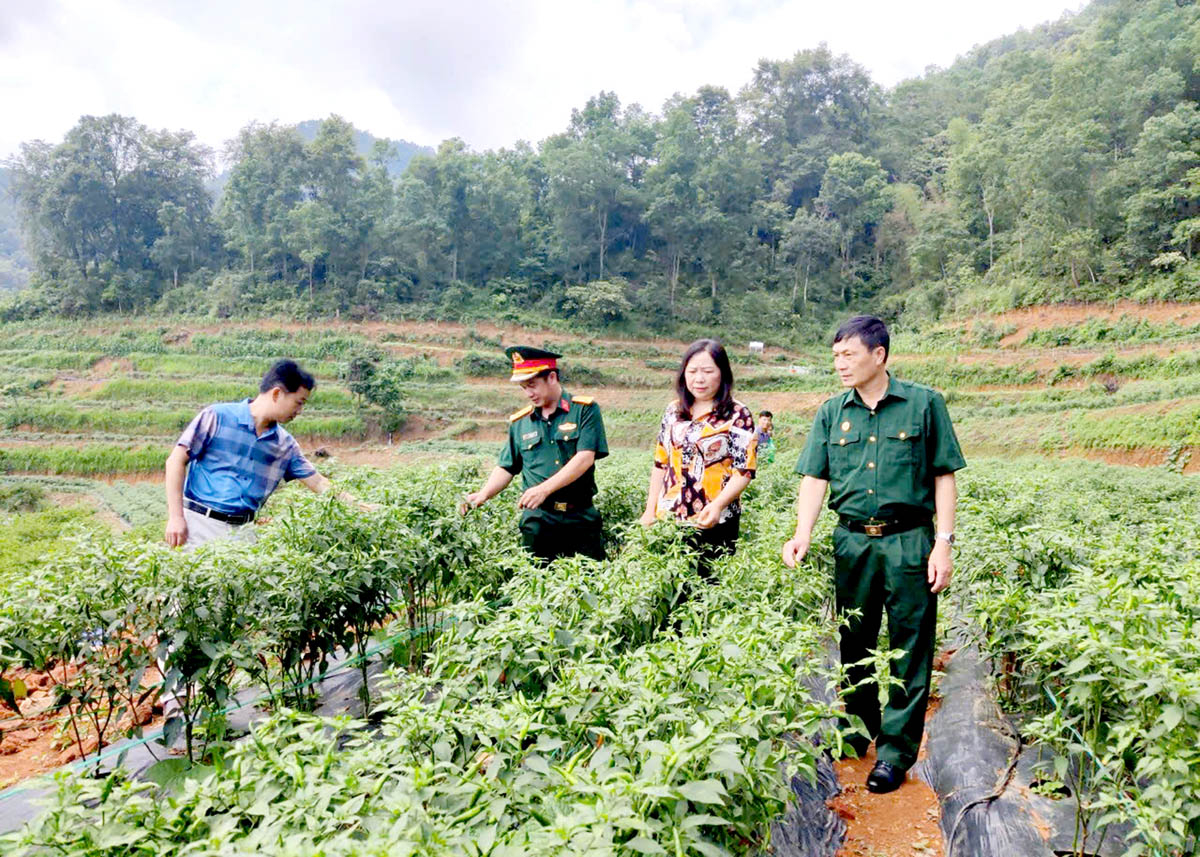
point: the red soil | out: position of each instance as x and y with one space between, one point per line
902 823
40 739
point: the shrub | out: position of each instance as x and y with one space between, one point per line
600 302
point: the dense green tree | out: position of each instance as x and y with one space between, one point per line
1059 162
811 242
854 194
90 207
803 110
1162 176
265 183
595 171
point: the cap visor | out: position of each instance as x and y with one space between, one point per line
524 375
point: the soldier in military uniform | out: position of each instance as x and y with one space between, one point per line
887 451
553 443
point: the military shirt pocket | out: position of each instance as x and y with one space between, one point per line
568 440
529 443
904 444
844 444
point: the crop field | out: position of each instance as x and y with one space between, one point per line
585 708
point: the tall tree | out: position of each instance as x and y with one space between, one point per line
91 204
595 170
269 164
854 194
803 110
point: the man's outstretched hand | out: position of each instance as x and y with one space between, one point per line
794 551
177 532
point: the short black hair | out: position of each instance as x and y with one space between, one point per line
766 414
869 329
723 401
288 375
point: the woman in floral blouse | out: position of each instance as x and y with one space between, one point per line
706 453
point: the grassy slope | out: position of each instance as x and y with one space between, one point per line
83 397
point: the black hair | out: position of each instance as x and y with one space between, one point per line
288 375
723 401
766 414
869 329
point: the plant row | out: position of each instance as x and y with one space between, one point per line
117 622
1084 588
617 707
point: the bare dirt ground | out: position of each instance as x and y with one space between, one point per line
1142 457
41 740
1061 315
104 514
903 823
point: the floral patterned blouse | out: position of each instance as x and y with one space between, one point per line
699 456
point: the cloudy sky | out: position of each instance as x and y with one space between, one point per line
425 70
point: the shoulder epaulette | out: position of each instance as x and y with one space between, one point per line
528 409
583 400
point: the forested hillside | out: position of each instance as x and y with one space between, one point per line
14 264
398 153
1057 164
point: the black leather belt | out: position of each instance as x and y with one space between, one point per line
875 528
566 507
235 520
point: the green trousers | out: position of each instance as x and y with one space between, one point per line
874 575
548 535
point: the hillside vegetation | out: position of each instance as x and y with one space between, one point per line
1060 163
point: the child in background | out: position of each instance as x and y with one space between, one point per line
766 446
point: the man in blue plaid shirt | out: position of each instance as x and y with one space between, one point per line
233 455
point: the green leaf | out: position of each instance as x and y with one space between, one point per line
708 849
1171 715
537 763
703 791
8 694
171 774
725 760
702 820
645 846
114 836
658 791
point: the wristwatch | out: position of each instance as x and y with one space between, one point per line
948 538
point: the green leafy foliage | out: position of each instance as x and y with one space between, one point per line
811 190
1086 600
583 706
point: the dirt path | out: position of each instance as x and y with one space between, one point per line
900 824
903 823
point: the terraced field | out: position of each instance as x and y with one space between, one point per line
88 413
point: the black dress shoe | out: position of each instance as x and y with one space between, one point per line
884 777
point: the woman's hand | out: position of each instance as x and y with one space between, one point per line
709 516
648 518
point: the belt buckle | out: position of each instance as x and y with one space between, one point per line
874 528
560 507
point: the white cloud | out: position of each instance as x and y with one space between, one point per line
425 70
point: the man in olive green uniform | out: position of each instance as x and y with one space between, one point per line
553 443
887 452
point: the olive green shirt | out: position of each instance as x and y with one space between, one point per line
538 448
880 463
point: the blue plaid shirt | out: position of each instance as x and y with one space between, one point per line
232 468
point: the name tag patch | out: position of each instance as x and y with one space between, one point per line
567 427
529 435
